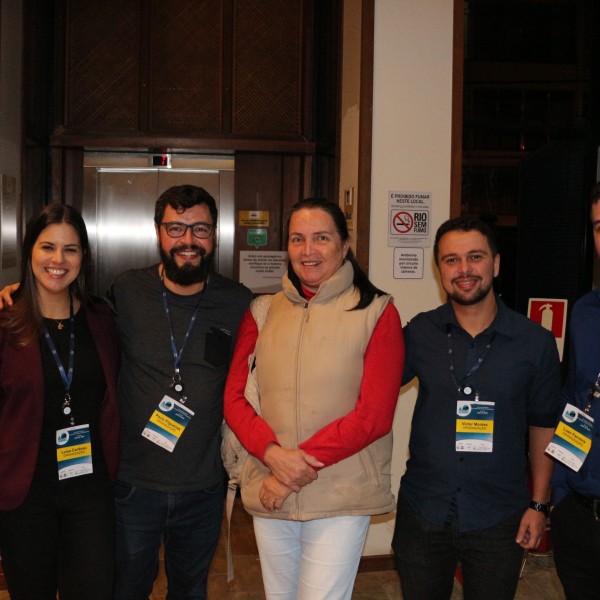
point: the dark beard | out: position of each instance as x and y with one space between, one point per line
483 292
188 274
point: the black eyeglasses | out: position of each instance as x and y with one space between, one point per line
200 230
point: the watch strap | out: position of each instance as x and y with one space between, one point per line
539 507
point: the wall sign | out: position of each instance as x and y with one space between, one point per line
256 237
262 271
551 314
408 263
253 218
409 219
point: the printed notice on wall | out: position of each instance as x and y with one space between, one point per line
409 219
253 218
408 263
262 271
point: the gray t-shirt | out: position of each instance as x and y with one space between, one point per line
147 369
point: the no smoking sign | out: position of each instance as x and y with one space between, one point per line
402 222
409 222
409 215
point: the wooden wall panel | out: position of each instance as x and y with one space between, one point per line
102 71
186 50
150 72
268 67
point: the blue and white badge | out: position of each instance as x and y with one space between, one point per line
167 423
474 426
572 439
74 451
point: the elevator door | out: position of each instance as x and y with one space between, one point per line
120 216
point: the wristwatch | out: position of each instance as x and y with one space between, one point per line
543 508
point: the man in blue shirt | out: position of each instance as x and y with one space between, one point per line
576 494
489 385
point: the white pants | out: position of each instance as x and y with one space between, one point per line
310 560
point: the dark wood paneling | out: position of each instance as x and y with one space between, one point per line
268 182
365 142
231 69
102 67
268 67
457 108
258 183
37 70
186 67
96 139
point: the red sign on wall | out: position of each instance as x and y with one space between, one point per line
550 313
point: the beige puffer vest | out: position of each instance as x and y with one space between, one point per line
309 364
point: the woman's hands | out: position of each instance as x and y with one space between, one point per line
293 468
273 493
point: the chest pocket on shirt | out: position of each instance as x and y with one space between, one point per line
217 347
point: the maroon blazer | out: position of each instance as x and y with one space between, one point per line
22 406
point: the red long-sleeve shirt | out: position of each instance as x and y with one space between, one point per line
370 419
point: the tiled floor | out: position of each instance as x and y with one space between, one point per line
539 581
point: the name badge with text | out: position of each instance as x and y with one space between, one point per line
474 426
572 438
74 451
167 423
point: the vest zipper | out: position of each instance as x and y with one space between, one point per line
304 320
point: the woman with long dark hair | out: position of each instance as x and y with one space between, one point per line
58 419
328 361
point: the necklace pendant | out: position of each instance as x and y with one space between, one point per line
60 325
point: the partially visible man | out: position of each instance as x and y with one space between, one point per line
177 323
575 518
489 385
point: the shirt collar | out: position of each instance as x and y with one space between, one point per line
501 323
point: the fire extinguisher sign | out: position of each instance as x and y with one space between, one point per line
550 313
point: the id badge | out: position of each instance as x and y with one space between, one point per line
474 426
74 451
572 438
167 423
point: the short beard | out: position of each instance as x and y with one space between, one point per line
482 294
187 274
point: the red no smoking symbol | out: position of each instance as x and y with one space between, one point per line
402 222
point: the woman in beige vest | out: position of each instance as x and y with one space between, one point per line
328 362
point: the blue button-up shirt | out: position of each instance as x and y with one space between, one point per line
584 366
520 373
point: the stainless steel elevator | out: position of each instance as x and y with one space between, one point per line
120 190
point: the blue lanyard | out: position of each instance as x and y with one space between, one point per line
593 394
177 381
65 376
476 365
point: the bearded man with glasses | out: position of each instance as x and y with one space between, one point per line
177 322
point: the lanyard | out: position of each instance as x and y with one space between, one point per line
476 365
65 376
593 394
177 383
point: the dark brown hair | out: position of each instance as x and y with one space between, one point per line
182 197
362 283
465 223
23 319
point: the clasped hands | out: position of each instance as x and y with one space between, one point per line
291 470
